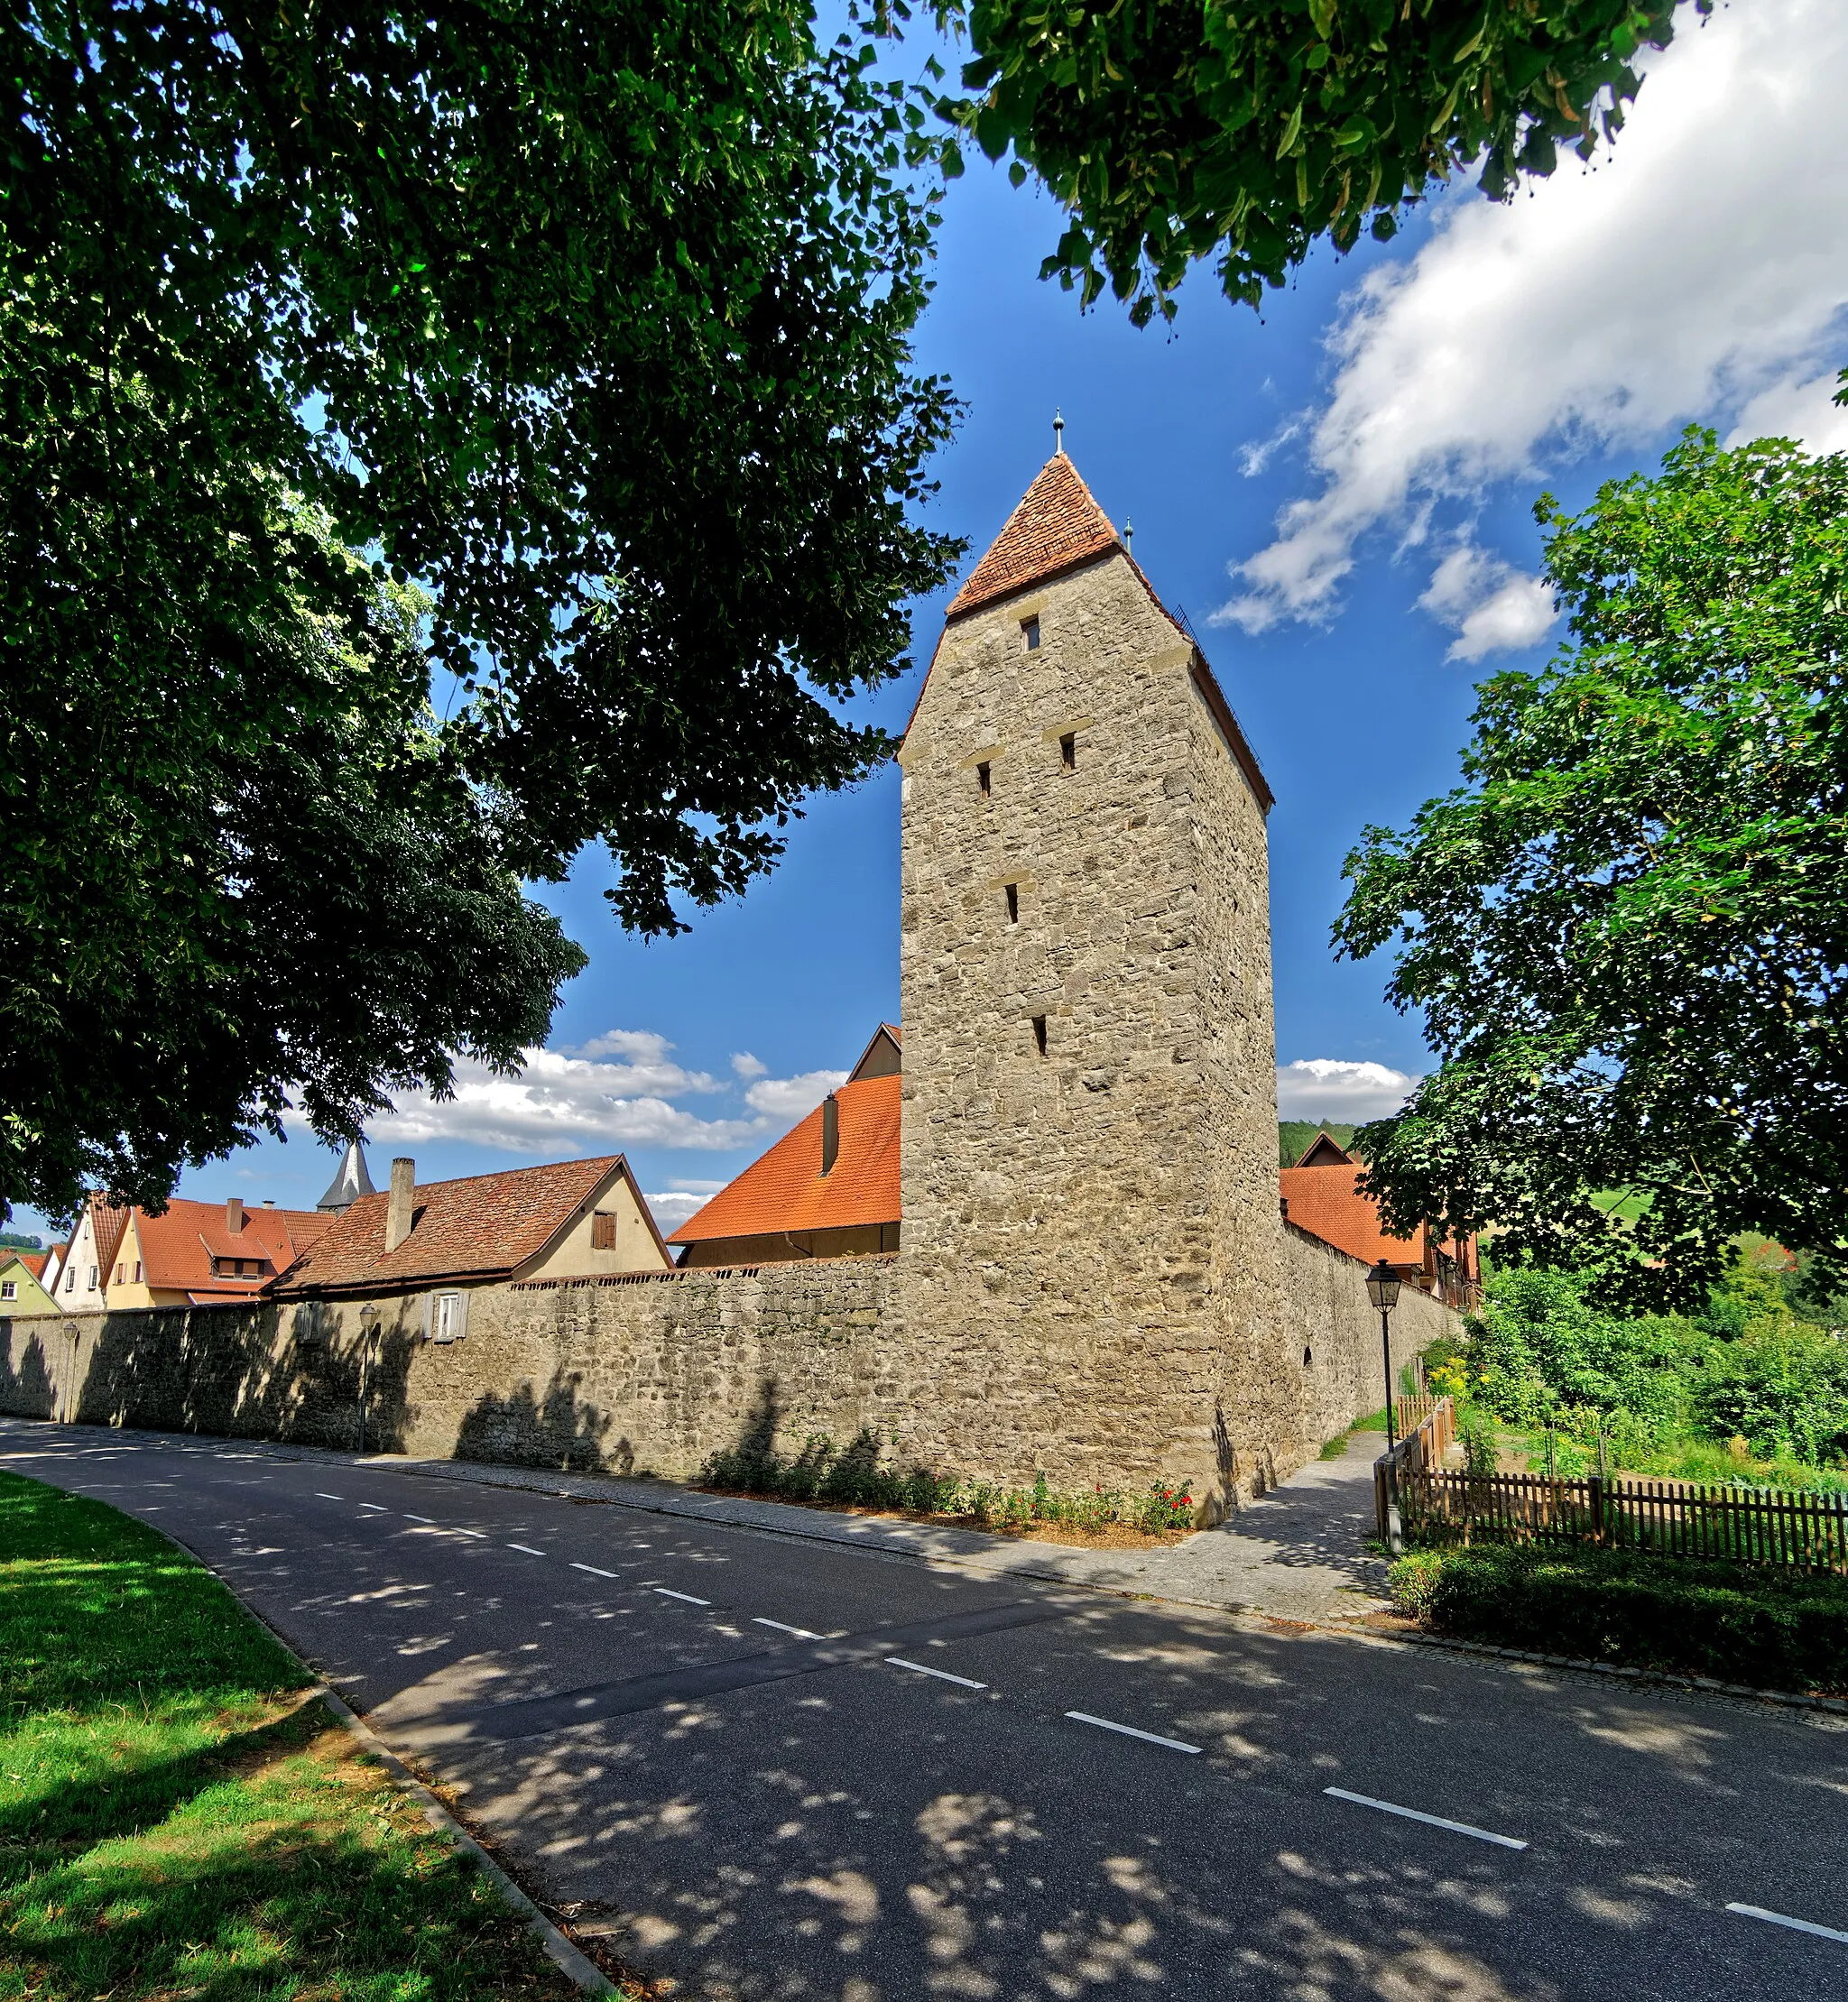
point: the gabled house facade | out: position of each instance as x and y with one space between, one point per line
428 1247
195 1253
90 1259
1321 1194
22 1282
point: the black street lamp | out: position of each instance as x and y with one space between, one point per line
1382 1290
368 1335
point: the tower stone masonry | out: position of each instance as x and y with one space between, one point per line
1090 1204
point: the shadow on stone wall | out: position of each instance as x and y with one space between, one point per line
26 1390
558 1429
234 1374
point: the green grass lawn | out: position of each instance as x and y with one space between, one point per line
175 1824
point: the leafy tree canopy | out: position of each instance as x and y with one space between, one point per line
592 318
1629 930
1245 129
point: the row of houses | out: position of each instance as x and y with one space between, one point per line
829 1188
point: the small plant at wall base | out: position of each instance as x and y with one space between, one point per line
857 1476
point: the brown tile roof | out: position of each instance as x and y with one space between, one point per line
786 1189
1056 526
1325 1202
33 1262
108 1222
481 1227
178 1246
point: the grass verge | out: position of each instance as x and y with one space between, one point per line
1772 1629
174 1823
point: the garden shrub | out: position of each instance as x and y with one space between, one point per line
1774 1630
857 1476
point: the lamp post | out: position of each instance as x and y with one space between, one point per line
1382 1290
368 1335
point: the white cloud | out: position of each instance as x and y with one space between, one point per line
646 1069
1489 604
556 1104
1327 1087
1701 271
748 1066
673 1207
1793 407
788 1098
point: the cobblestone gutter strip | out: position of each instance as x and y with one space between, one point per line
566 1957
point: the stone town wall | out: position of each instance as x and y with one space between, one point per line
651 1373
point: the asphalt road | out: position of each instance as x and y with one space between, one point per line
788 1770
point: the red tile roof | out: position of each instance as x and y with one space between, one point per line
33 1262
786 1189
108 1222
1056 526
1325 1202
481 1227
178 1246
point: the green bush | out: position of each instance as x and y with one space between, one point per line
857 1476
1774 1630
1782 1393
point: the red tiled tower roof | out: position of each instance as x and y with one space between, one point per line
1056 526
785 1190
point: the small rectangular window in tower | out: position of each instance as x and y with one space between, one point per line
1012 893
1039 1034
603 1230
1029 632
982 780
1068 751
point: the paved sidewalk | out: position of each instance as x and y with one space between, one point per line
1299 1553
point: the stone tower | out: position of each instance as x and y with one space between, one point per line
1090 1125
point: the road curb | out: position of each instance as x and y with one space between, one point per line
576 1966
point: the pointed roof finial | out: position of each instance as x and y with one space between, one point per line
1058 432
1129 539
351 1181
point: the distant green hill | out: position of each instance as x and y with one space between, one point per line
16 1241
1294 1135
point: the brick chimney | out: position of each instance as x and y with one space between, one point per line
234 1214
400 1203
831 1133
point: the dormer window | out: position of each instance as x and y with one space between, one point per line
1030 634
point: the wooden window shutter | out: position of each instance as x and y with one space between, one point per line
603 1230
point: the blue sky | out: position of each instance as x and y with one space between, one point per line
1408 403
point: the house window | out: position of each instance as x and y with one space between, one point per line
95 1276
1039 1034
121 1274
983 779
9 1289
448 1317
1068 751
1029 632
71 1280
1012 893
603 1230
137 1271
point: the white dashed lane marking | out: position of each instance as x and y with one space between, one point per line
1795 1925
377 1507
667 1593
409 1517
592 1569
942 1674
1130 1730
481 1535
1431 1821
782 1627
325 1496
526 1549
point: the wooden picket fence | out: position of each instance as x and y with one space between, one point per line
1670 1518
